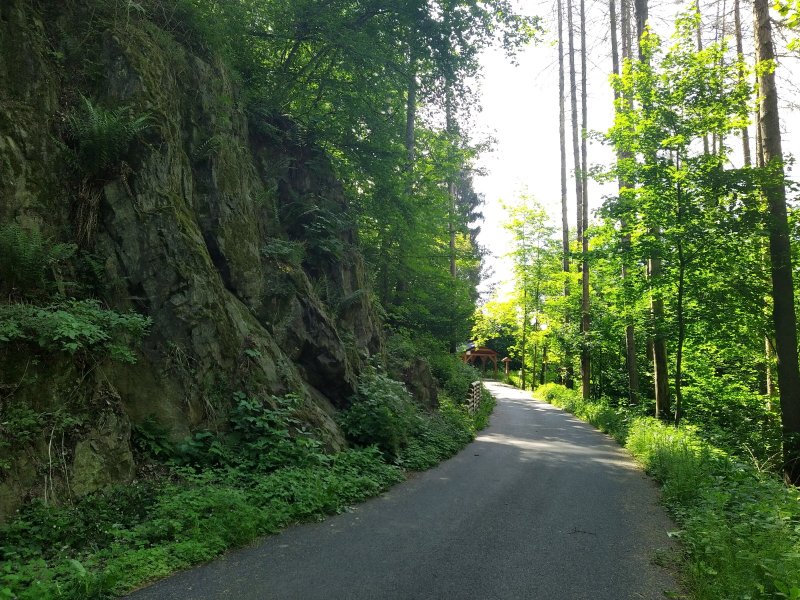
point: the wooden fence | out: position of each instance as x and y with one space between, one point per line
474 398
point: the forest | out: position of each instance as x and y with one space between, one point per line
668 318
240 253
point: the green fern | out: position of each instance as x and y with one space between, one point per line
99 138
27 259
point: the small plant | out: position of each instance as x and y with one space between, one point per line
74 326
284 251
28 260
99 138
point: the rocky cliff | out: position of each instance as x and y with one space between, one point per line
223 225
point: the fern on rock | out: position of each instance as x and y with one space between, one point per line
28 259
99 138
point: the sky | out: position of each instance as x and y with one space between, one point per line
520 111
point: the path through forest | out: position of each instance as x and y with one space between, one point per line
540 506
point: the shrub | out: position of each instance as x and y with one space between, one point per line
381 413
454 376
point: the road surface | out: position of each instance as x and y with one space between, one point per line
539 506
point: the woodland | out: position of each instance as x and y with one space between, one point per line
668 319
239 255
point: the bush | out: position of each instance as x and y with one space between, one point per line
438 436
381 413
454 376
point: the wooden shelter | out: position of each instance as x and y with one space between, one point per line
472 355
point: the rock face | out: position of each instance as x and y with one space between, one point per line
186 233
420 383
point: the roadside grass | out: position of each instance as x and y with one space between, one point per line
739 527
219 492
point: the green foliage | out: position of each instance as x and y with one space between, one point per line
28 260
262 435
99 138
454 375
263 473
481 417
738 526
285 251
111 542
74 326
381 413
438 436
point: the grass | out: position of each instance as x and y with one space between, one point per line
739 527
215 498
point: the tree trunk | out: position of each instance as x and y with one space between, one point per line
769 386
411 111
451 184
783 314
640 10
568 374
524 332
699 33
630 338
586 359
543 372
680 315
737 19
659 343
563 146
573 88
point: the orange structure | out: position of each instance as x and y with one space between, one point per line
484 355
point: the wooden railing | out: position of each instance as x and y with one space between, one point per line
474 397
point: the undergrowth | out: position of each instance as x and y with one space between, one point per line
740 527
223 489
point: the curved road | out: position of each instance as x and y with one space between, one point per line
540 506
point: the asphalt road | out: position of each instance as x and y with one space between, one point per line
540 506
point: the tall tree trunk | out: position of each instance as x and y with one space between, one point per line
659 342
451 184
737 18
576 159
630 337
699 33
576 152
783 314
679 309
586 360
568 371
640 9
524 331
411 112
562 136
625 30
543 372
